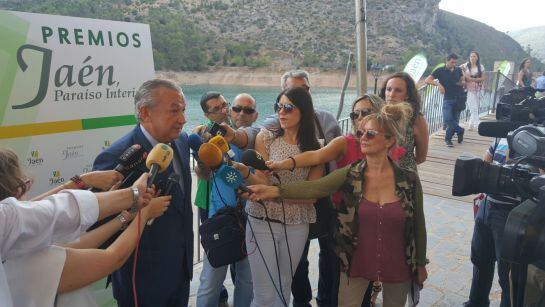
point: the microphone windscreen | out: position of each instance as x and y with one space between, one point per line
220 142
230 176
498 129
195 142
131 158
254 159
210 155
161 155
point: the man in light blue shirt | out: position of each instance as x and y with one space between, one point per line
540 85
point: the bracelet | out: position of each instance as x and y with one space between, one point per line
79 183
135 195
294 164
123 220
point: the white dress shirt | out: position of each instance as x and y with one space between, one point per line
26 227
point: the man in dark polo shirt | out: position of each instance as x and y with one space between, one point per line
450 81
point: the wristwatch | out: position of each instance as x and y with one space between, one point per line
79 183
123 221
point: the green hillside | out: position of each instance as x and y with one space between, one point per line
198 34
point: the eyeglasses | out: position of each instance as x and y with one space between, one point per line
248 111
288 107
369 134
218 109
355 114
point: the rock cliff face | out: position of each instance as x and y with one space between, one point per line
322 32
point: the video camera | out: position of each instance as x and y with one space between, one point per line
521 116
521 105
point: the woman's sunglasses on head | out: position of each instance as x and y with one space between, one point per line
238 109
288 107
355 114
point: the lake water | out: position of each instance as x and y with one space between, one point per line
326 98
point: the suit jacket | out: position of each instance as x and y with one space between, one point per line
165 258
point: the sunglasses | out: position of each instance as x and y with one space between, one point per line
369 134
288 107
355 114
238 109
219 109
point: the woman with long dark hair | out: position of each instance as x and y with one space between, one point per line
524 77
473 73
278 231
381 230
400 87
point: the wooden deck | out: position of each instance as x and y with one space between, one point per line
437 172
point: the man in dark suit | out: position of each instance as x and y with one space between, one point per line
165 258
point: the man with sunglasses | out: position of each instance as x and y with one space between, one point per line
243 112
212 194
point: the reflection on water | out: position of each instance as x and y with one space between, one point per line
327 98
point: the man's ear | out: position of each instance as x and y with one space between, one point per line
144 113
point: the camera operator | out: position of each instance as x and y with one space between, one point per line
487 237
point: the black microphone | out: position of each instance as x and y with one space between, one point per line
254 159
498 129
172 180
130 159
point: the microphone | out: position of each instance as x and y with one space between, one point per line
172 180
210 155
498 129
232 178
195 142
131 158
158 160
254 159
222 144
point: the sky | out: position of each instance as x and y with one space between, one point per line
503 15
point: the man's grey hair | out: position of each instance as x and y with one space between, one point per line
296 73
144 95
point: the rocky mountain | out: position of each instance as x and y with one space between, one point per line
288 33
531 39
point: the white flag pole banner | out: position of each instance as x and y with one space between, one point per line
67 89
416 67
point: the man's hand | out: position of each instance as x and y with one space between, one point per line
441 88
422 275
263 192
103 180
229 132
202 170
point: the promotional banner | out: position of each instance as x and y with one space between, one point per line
416 66
67 89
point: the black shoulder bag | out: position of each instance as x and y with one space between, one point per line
223 236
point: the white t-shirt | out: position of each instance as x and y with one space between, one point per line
27 227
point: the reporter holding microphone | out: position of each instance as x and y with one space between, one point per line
165 261
28 227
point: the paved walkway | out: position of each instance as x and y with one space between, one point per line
449 222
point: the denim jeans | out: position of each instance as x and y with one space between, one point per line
485 252
451 117
211 281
